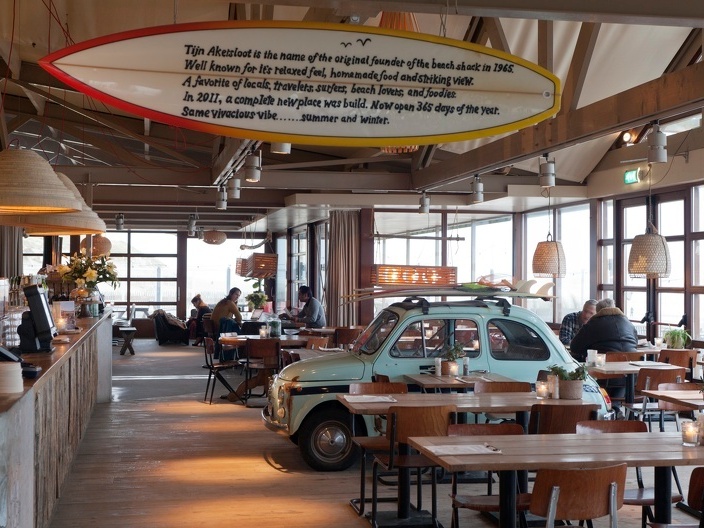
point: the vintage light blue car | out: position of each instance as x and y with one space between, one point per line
405 338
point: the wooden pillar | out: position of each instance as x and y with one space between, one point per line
366 259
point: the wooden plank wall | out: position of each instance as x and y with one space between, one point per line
63 406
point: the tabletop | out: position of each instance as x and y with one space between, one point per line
629 367
487 402
434 381
692 399
287 341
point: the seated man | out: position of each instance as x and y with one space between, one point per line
312 313
572 322
609 330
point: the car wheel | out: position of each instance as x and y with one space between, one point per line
325 440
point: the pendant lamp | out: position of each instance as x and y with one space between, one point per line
549 257
83 222
100 245
30 186
214 237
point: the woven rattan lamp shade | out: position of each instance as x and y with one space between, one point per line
100 245
649 257
549 259
262 265
83 222
214 237
392 275
30 186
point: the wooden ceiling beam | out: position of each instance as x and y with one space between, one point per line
577 73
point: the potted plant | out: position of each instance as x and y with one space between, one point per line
571 381
451 354
257 299
676 337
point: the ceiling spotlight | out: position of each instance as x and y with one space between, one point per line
628 137
119 222
200 233
657 145
280 148
191 225
547 173
221 202
234 186
24 233
424 204
253 167
477 189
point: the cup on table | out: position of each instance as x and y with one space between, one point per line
542 389
690 434
600 360
658 341
591 357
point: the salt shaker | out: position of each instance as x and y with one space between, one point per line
465 366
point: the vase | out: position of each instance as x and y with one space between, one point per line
571 389
88 300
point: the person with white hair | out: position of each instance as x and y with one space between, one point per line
609 330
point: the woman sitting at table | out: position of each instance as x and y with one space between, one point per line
201 309
226 315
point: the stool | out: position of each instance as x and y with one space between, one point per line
127 333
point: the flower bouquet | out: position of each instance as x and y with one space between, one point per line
87 272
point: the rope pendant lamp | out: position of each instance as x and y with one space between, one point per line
30 186
100 245
214 237
83 222
549 257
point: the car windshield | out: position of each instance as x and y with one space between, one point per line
376 333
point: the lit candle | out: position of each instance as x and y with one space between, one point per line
600 360
690 433
542 389
263 332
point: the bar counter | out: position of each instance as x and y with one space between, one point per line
41 428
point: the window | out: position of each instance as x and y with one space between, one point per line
298 264
514 341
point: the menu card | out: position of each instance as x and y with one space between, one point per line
464 449
369 398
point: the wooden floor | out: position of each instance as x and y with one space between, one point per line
158 456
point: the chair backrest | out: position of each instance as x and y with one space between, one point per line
209 326
286 358
266 350
314 342
379 387
611 426
209 348
407 421
381 377
649 378
616 356
681 358
584 493
345 336
559 419
501 386
542 375
695 495
667 406
485 429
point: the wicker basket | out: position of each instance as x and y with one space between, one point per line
571 389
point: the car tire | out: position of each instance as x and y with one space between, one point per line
325 440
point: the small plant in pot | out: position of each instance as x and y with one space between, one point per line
571 381
449 366
676 337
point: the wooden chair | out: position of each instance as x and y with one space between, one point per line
315 342
215 369
344 336
371 444
673 407
559 419
481 387
651 378
262 359
584 494
404 422
488 502
641 496
381 377
681 358
695 500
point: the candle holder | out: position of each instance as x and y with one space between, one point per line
542 389
690 434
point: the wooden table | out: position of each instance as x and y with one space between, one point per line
461 383
533 452
287 341
516 402
630 370
693 399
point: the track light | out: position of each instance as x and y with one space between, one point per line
657 146
253 167
547 173
221 202
280 148
191 225
477 189
424 204
234 186
200 233
119 222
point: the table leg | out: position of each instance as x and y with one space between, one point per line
507 499
404 486
630 388
663 494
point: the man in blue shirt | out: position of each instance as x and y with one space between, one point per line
312 314
572 322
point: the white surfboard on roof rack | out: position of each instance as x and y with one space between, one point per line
468 289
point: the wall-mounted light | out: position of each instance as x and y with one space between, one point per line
547 173
221 202
200 233
253 167
628 137
424 204
234 187
657 145
477 190
280 148
119 222
191 225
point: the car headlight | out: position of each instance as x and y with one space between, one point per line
281 413
280 396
